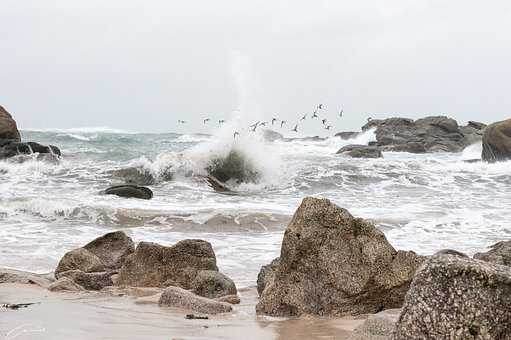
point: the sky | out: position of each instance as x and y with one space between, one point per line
143 65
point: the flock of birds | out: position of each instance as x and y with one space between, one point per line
252 128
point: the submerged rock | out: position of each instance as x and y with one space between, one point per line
332 264
497 142
8 127
213 284
361 151
129 191
233 167
112 248
430 134
80 259
455 297
500 253
180 298
154 265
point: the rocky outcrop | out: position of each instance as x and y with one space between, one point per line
497 142
378 326
79 259
89 281
500 253
135 176
346 135
430 134
455 297
332 264
112 249
360 151
65 284
129 191
18 276
8 127
154 265
266 275
234 167
213 284
180 298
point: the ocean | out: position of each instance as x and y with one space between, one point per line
423 202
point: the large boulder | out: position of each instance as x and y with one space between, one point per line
332 264
234 167
430 134
112 249
179 298
129 191
8 127
154 265
455 297
500 253
80 259
213 284
360 151
497 142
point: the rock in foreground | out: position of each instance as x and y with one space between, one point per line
213 284
455 297
112 249
332 264
129 191
79 259
180 298
154 265
497 142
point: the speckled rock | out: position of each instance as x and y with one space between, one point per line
80 259
180 298
89 281
378 326
333 264
65 284
154 265
455 297
266 275
497 142
112 248
500 253
213 284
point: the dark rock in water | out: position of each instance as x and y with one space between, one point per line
266 275
12 149
8 127
271 136
306 139
129 191
500 253
345 135
153 265
455 297
179 298
361 151
213 284
112 249
217 185
332 264
430 134
135 175
80 259
89 281
233 167
472 160
497 142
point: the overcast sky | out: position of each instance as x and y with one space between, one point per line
142 65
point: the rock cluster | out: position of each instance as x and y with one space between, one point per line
361 151
332 264
497 142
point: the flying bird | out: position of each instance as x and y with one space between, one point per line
296 128
282 123
273 121
221 121
320 106
315 115
328 127
206 120
236 133
181 121
324 121
340 113
304 117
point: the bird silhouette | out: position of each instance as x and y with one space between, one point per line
282 123
340 113
315 115
296 128
328 127
206 120
236 133
304 117
181 121
221 121
273 121
320 106
323 121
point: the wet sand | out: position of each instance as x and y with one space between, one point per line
64 316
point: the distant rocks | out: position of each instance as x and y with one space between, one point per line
346 135
12 146
129 191
154 265
430 134
455 297
361 151
272 136
497 142
332 264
